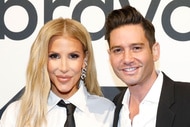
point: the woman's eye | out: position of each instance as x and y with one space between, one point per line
54 56
73 56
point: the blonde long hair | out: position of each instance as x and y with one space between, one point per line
33 107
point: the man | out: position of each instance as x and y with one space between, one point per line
151 98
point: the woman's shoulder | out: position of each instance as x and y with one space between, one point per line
12 109
14 104
10 114
100 101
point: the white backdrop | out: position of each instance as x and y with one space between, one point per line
175 52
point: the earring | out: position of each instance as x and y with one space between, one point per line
83 73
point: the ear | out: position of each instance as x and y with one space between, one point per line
85 60
108 51
156 51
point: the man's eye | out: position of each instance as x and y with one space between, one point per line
73 56
117 50
54 56
137 48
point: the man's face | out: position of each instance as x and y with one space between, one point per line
131 57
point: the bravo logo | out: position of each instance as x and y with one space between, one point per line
106 7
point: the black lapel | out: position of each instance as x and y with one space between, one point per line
118 102
165 116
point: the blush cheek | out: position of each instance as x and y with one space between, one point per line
51 72
51 67
52 77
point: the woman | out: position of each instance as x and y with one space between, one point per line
61 67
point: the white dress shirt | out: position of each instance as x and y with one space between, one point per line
147 108
91 111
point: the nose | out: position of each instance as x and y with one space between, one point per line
63 65
128 57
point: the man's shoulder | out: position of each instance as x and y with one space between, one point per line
183 87
181 84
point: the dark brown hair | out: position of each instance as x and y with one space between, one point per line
125 16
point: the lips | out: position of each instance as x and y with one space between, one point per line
63 79
130 69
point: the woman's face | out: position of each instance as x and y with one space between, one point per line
66 59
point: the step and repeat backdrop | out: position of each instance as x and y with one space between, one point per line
20 21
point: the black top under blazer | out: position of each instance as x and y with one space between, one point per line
173 107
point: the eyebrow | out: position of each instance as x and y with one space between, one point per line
139 43
132 44
115 47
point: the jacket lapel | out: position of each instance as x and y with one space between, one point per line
118 102
165 115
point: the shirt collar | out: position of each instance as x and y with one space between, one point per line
154 93
78 99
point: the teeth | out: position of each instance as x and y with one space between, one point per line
130 69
